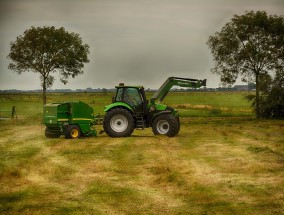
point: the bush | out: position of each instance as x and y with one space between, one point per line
272 105
271 101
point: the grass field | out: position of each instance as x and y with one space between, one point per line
195 104
223 161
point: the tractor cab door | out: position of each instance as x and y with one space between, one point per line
132 97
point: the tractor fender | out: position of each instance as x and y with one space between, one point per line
118 104
160 113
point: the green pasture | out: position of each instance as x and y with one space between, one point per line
223 161
189 104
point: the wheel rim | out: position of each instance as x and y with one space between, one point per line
119 123
163 126
74 133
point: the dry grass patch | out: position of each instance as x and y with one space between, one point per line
214 166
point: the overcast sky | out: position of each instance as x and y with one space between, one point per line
139 42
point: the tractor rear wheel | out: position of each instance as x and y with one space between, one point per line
72 132
165 124
118 122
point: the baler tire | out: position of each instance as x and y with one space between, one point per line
165 124
118 122
72 132
51 134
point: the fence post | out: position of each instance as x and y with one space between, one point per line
14 113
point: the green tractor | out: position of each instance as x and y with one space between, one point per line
130 109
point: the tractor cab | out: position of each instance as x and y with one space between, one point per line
133 96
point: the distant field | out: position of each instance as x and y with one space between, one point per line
194 104
223 161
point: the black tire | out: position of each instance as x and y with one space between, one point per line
165 124
51 134
72 131
118 122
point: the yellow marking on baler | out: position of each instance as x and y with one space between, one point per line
62 120
82 119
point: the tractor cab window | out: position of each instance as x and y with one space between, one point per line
130 96
119 95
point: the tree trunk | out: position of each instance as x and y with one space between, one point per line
257 109
44 90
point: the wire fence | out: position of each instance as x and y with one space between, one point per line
8 114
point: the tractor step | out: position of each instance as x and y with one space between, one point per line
140 123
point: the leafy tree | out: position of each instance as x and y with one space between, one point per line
250 46
47 50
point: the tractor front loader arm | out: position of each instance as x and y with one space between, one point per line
161 93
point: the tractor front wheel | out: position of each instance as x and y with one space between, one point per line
118 122
72 132
165 124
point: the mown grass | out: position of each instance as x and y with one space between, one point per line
216 165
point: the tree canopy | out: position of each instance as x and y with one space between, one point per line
250 46
47 50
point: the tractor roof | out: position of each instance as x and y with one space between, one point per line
123 86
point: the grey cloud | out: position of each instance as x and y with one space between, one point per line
137 42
